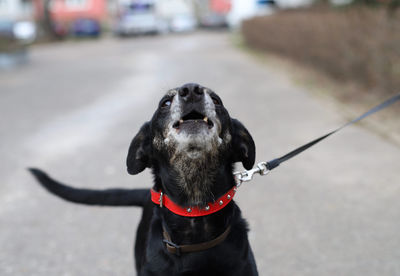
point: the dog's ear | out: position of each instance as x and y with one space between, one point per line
243 145
139 151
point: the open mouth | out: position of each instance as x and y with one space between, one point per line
193 119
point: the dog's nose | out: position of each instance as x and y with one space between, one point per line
191 91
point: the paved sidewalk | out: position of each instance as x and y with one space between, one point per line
333 210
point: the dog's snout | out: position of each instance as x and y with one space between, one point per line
191 91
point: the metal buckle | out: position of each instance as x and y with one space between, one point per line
174 245
161 199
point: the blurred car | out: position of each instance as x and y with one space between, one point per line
183 23
22 31
132 24
60 29
14 38
213 20
16 34
139 18
86 27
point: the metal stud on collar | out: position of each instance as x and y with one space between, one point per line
161 199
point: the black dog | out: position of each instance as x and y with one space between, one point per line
190 225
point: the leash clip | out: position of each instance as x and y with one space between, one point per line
247 175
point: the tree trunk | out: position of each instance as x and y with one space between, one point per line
48 24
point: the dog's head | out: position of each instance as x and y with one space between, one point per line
191 144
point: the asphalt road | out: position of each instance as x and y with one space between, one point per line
334 210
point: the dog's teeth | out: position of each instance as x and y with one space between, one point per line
181 121
205 119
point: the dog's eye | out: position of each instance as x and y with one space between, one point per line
166 103
216 101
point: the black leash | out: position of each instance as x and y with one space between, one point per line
276 162
264 167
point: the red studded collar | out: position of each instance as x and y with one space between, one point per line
163 200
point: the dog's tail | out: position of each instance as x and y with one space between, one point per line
108 197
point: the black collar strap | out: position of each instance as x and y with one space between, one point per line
187 248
